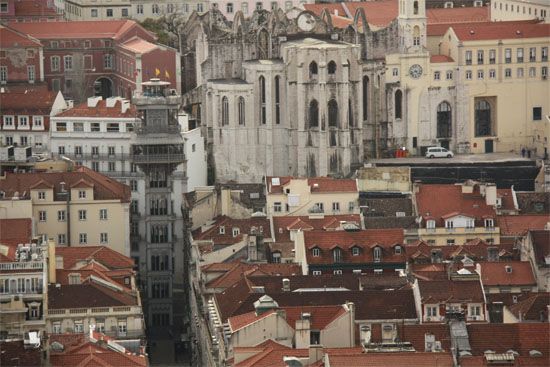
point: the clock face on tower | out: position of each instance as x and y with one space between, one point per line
415 71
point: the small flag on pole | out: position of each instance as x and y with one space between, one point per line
166 74
157 72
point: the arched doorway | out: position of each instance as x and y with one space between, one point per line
103 87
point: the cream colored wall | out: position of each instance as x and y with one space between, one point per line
501 10
270 327
384 179
338 333
460 235
14 209
134 324
308 200
508 317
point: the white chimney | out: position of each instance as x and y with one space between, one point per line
336 12
93 101
111 101
491 194
286 285
125 105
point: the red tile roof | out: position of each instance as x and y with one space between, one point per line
15 100
534 308
240 321
15 353
139 46
10 38
378 13
101 254
321 316
14 232
282 225
392 359
332 8
316 184
100 110
507 198
495 274
458 15
245 226
239 270
476 249
500 31
114 29
435 59
365 240
105 188
449 291
541 246
519 225
79 350
439 29
451 200
87 296
521 337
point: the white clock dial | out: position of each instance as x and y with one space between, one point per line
415 71
306 22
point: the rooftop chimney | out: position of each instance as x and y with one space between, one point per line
124 105
315 353
286 285
111 101
491 194
93 101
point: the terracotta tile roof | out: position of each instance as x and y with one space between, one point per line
521 337
415 334
435 59
10 38
365 240
14 232
449 291
507 198
500 31
100 110
239 270
316 184
14 354
77 29
451 200
86 296
378 13
272 357
392 359
139 46
81 351
34 8
105 188
321 316
245 226
541 246
439 29
476 249
495 274
533 202
519 225
15 101
508 299
534 308
240 321
102 254
458 15
282 225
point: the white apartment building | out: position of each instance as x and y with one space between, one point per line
503 10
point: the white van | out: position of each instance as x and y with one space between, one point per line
438 152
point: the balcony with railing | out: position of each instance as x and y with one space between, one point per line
158 154
22 265
96 311
158 129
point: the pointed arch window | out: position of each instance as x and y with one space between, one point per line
313 113
365 98
350 113
331 68
398 101
444 120
313 70
416 36
225 111
415 8
241 108
277 100
332 113
263 109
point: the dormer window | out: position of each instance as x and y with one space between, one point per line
316 252
489 223
398 250
222 229
430 224
470 223
337 255
449 224
82 194
355 251
41 195
236 231
377 253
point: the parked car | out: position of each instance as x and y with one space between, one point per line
438 152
